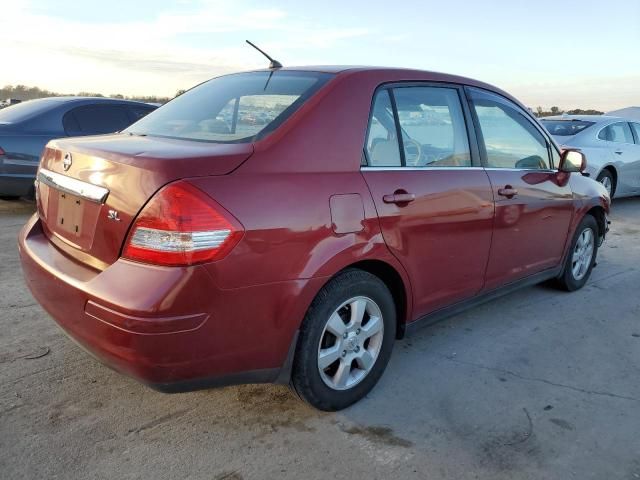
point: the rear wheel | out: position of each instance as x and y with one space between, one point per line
606 179
582 255
345 341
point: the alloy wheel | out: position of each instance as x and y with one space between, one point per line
350 343
583 254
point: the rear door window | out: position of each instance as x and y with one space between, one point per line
139 112
617 133
383 149
433 128
636 130
96 119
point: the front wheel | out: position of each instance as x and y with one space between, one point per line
345 341
582 255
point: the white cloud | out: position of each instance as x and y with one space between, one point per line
151 56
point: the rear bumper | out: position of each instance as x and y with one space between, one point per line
168 327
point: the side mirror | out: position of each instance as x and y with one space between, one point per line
572 161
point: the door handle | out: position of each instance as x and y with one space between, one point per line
508 191
399 198
618 152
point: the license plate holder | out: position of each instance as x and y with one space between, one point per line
69 214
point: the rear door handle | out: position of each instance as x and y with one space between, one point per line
618 152
508 191
399 198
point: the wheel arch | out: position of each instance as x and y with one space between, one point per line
614 173
394 282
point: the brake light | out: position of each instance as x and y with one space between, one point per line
2 152
181 225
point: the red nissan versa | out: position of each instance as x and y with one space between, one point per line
288 225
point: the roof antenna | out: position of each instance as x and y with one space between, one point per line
273 63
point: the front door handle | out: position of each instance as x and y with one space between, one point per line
399 198
508 191
618 152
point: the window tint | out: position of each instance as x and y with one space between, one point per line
138 112
636 129
616 132
510 138
233 108
433 127
96 119
382 141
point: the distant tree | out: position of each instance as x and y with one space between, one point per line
539 111
555 110
179 92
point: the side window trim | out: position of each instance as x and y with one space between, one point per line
474 148
396 121
480 138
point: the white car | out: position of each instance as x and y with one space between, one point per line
611 145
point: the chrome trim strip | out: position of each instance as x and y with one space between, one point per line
85 190
426 168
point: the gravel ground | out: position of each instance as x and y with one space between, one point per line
540 384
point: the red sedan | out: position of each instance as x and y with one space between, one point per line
196 250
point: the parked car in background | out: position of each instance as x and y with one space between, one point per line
190 252
25 129
611 145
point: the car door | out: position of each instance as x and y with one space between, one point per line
623 153
433 198
533 207
634 166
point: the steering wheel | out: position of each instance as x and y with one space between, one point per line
412 151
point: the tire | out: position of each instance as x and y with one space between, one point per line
578 267
352 365
9 198
606 179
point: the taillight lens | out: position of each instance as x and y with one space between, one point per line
1 151
181 225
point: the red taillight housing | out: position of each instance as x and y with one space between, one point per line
181 225
2 152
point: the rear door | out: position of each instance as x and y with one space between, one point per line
622 153
533 206
433 198
634 165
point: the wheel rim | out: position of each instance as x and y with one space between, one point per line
350 343
606 182
583 254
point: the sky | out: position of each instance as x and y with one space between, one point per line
565 53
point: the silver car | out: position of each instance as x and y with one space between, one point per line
611 144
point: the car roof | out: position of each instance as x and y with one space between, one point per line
587 118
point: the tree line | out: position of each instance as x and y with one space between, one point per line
23 92
540 112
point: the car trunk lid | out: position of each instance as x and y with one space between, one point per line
90 189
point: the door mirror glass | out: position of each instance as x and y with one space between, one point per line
572 161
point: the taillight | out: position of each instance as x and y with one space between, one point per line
181 225
2 152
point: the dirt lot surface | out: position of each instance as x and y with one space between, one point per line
539 385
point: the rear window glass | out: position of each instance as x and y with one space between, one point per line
234 108
565 128
25 110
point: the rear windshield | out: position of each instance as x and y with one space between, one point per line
565 128
234 108
25 110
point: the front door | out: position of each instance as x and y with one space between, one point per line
433 198
533 204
